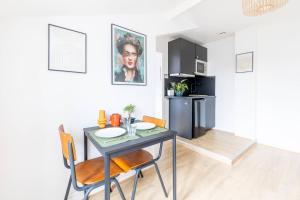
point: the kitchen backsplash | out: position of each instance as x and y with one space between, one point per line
202 85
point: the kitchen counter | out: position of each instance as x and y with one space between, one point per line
190 97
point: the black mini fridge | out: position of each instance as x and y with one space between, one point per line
199 118
192 117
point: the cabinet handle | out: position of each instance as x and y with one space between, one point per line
185 103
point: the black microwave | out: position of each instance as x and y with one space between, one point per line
200 67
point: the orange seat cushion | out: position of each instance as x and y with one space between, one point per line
92 171
133 159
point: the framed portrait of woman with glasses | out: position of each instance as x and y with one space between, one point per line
128 54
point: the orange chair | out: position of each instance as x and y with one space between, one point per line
139 159
89 173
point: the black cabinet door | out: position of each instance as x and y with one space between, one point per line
199 118
209 112
181 57
187 57
180 116
174 63
201 53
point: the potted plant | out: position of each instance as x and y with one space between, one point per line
129 109
180 87
170 91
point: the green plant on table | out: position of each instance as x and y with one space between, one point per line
129 109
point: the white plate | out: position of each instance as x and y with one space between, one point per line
144 125
110 132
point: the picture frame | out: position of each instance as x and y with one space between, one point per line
67 50
128 57
244 62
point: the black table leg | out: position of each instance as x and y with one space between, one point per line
85 147
174 167
107 176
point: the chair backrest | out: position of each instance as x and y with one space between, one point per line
156 121
65 138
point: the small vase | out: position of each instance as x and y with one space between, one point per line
170 92
179 93
102 119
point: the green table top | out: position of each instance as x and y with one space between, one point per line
106 142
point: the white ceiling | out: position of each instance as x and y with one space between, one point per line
85 7
212 17
201 20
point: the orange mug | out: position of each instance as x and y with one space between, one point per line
115 119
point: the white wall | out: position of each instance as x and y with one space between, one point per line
235 92
245 87
265 106
278 82
266 103
222 65
162 47
34 101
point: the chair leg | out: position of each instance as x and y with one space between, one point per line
119 188
141 174
84 192
87 193
135 184
68 189
160 179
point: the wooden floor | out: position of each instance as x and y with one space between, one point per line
262 173
219 145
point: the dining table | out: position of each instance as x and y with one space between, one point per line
130 143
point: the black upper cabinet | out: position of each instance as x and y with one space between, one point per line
181 57
182 54
201 52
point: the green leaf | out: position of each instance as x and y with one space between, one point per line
181 86
129 108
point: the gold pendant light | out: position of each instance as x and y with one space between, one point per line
260 7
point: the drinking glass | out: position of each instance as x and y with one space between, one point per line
127 125
133 130
124 122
